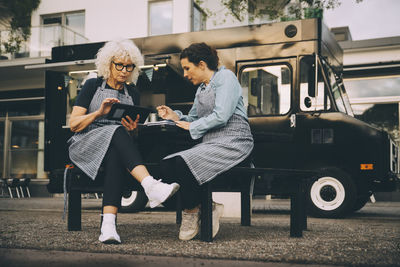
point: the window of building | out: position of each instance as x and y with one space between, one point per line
376 100
23 150
62 29
160 17
199 19
266 89
21 136
373 86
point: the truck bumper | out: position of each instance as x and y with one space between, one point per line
389 184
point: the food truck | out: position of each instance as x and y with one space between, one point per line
298 109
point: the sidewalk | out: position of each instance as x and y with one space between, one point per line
34 229
32 258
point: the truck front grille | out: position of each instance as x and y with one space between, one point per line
394 157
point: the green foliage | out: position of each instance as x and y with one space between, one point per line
274 9
18 15
13 44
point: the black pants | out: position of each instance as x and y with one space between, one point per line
122 157
176 170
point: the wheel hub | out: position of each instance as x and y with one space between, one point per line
327 193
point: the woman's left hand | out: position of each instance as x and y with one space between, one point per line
183 124
129 124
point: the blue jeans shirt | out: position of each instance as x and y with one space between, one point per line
228 101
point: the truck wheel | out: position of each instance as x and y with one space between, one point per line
360 202
133 201
332 194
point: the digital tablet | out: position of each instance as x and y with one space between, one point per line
119 111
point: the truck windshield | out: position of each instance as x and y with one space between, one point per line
338 90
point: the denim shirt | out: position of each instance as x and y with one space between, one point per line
228 101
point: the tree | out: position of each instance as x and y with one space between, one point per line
15 15
273 9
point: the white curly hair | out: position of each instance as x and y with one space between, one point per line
118 49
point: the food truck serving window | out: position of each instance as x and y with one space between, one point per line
266 89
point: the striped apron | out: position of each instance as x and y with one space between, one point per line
88 147
221 148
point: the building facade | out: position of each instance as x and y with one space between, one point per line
372 79
57 23
372 67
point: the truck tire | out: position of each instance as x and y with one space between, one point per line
133 201
331 195
360 202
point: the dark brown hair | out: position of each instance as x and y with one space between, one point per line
201 51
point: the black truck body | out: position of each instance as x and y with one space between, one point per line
297 105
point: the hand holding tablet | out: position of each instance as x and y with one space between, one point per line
119 111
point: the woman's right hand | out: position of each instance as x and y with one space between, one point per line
106 106
167 113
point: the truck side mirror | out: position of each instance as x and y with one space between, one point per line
311 81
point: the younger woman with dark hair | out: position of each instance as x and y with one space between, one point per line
219 117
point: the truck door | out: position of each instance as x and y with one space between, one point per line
268 96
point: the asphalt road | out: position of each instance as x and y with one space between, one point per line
32 233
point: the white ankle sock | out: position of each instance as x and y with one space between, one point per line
147 181
109 218
109 229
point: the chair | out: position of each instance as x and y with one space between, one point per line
12 184
23 184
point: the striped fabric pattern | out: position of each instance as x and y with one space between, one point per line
88 147
220 149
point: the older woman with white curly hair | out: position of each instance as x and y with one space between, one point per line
100 141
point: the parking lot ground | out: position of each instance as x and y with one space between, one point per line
34 229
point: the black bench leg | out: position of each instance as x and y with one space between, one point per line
206 213
74 211
178 208
245 208
296 221
303 204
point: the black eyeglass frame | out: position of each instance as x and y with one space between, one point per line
120 66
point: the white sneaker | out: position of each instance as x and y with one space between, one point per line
217 212
157 191
190 225
109 234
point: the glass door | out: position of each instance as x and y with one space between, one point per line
267 95
25 156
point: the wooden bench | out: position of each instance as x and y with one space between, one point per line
78 183
242 179
238 179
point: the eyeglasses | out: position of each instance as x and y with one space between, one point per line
120 67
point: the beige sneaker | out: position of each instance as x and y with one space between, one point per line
190 225
217 212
